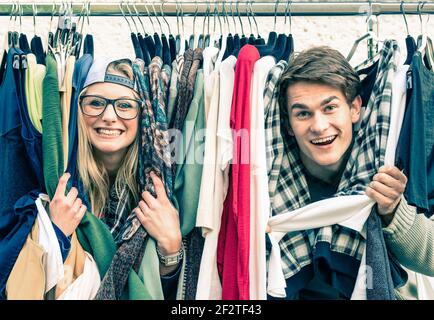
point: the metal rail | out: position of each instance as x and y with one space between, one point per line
260 8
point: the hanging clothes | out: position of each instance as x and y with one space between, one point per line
65 102
234 237
259 198
35 74
177 66
17 179
215 178
192 61
187 185
81 69
415 154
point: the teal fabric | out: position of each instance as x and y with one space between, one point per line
190 161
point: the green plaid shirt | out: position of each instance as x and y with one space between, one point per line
287 183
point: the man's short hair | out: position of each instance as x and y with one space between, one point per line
322 65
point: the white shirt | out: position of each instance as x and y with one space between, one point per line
259 198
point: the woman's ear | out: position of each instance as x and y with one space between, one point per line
356 105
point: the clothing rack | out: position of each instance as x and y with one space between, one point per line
239 8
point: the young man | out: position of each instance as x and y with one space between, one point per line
320 105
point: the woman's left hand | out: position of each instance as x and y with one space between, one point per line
160 219
386 188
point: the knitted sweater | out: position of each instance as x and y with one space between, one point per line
410 239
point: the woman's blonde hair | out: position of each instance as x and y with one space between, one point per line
92 171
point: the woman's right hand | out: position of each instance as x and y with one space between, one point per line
66 211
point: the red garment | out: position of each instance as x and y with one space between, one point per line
234 237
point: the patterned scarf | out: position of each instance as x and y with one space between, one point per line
154 155
291 192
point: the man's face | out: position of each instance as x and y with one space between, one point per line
322 123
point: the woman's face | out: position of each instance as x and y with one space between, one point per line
109 134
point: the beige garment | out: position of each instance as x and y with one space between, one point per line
27 278
35 74
73 265
65 101
86 285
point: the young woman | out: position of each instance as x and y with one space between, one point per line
108 142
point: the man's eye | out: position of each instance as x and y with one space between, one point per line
302 115
329 108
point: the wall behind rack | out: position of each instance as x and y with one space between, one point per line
111 33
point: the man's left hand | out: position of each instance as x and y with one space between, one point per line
386 188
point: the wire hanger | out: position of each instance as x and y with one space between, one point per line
370 36
425 46
259 39
409 40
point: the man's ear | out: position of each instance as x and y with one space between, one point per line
356 105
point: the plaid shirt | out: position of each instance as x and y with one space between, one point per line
291 192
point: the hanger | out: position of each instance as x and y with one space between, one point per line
243 39
157 39
251 38
13 35
275 48
259 40
36 42
229 39
409 40
23 43
167 59
200 41
424 43
289 45
192 39
134 39
272 36
178 35
370 36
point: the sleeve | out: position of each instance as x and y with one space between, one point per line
410 239
170 283
64 242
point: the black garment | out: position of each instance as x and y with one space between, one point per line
415 151
368 77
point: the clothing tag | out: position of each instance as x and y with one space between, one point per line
24 63
16 63
409 80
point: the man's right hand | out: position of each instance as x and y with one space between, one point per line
66 211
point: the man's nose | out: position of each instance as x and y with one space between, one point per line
320 123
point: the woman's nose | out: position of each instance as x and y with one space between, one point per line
109 113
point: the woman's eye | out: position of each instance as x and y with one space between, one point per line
124 105
96 103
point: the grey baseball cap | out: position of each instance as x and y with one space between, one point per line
98 73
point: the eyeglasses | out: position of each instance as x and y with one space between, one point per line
94 106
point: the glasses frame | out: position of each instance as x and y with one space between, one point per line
108 102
